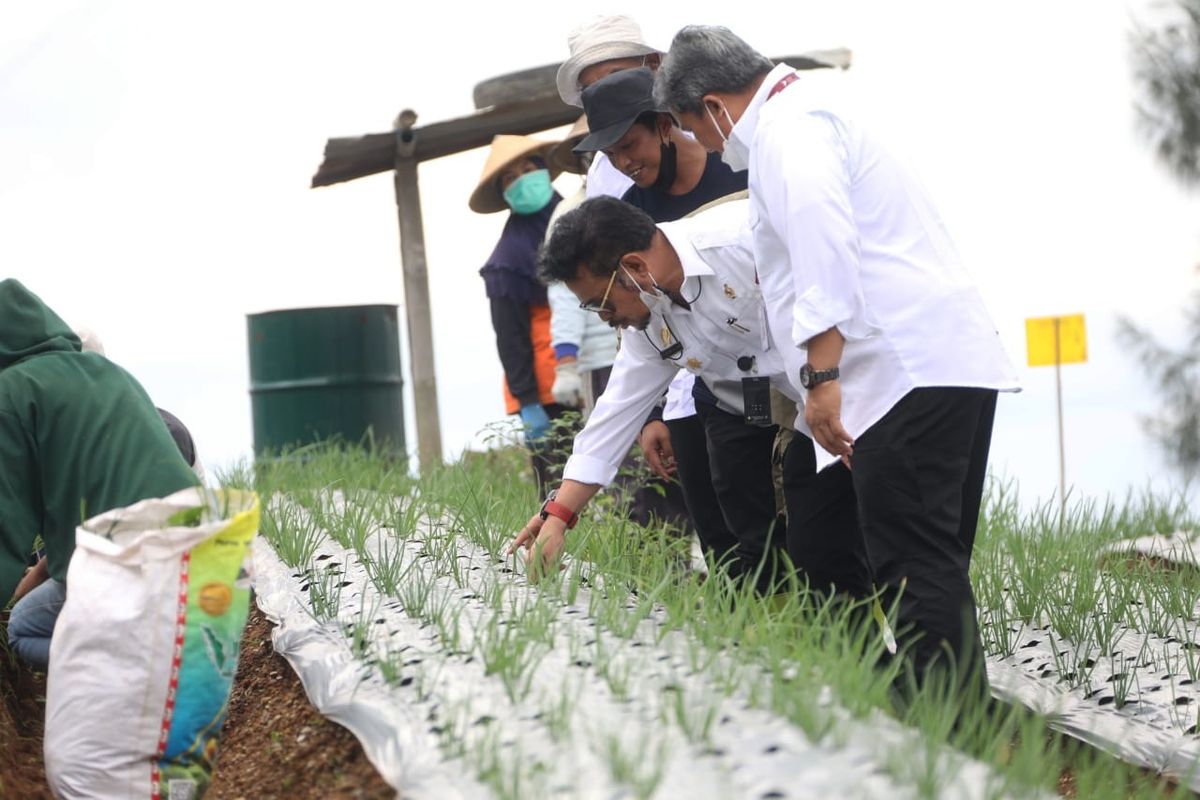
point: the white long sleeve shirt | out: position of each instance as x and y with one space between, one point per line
605 180
570 324
726 322
845 237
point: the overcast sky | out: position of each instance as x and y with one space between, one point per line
155 161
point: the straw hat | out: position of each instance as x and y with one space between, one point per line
561 156
487 199
601 39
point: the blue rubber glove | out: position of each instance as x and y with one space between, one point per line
537 424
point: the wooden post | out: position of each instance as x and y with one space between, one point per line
416 295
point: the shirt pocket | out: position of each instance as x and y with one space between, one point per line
752 314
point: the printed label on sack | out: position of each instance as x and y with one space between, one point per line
217 604
215 598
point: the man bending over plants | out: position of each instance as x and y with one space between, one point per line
687 294
78 436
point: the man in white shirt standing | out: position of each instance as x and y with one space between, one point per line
881 329
686 293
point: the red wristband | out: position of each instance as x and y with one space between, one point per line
553 508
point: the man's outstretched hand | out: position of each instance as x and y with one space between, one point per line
543 541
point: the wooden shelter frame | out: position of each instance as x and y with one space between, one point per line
520 103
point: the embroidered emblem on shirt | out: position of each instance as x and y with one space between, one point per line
730 293
694 363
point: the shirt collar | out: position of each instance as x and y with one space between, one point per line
743 131
679 234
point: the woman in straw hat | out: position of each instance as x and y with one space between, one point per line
518 178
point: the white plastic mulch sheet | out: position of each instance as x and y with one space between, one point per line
600 716
1181 547
344 689
1138 700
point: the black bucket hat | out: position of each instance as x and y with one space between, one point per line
613 104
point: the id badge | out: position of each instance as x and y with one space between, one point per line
756 400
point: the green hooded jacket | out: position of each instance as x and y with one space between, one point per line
78 436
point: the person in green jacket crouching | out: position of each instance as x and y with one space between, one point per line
78 436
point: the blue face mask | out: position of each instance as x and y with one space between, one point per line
529 193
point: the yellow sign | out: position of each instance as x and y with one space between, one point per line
1046 337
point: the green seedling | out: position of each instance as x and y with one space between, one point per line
325 593
806 660
695 714
390 664
558 709
386 566
291 532
509 655
358 632
446 618
635 763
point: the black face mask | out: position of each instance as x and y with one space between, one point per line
666 168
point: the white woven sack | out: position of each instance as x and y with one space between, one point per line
114 660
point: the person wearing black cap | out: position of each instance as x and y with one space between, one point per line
672 173
724 465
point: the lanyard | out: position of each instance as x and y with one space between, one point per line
784 82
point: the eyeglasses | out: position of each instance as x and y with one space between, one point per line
588 305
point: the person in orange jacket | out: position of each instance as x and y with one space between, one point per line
517 177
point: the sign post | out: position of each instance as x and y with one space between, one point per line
1057 340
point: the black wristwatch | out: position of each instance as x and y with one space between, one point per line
810 377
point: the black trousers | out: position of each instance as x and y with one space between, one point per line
651 499
740 480
695 483
547 456
902 518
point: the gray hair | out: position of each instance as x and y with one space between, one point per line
705 59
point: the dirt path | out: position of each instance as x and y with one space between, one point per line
22 709
275 745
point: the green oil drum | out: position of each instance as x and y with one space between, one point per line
318 374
